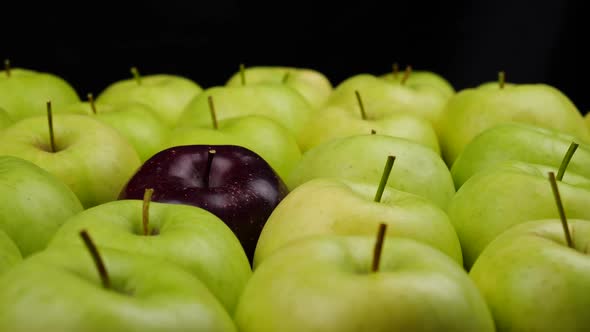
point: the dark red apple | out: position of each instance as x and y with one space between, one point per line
232 182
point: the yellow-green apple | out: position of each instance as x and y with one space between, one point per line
9 253
412 77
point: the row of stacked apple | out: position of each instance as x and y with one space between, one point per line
330 146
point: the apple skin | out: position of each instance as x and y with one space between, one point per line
418 78
243 188
314 86
93 159
166 94
533 281
9 253
5 120
324 283
25 92
34 205
61 288
267 137
521 142
494 200
471 111
335 122
187 236
331 206
417 169
276 101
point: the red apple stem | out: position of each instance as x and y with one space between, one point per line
7 67
407 74
213 112
210 154
50 125
136 75
395 70
145 217
566 160
361 105
243 74
384 178
98 262
502 78
378 249
90 97
561 210
286 77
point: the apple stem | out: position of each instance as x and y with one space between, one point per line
242 74
136 75
50 125
7 67
102 271
384 178
213 112
395 70
373 132
286 77
145 219
561 210
378 249
502 78
566 160
361 106
407 73
210 154
91 102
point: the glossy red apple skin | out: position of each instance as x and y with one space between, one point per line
243 189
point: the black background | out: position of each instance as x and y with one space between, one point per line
92 44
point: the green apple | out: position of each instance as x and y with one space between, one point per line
137 122
522 142
5 120
9 253
335 122
92 158
417 170
276 101
266 137
186 235
472 110
33 204
383 97
24 92
508 194
332 206
310 83
418 78
166 94
532 280
329 283
60 290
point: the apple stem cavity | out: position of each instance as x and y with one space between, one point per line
213 112
102 271
145 217
384 178
395 70
566 160
361 105
378 249
286 77
373 132
242 74
407 74
136 75
210 154
561 210
50 125
502 78
90 97
7 67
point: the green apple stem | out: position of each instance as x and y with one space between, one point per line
210 154
566 160
145 217
213 112
384 178
136 75
407 74
50 125
286 77
378 249
102 271
502 78
395 70
243 74
91 102
361 105
561 210
7 67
